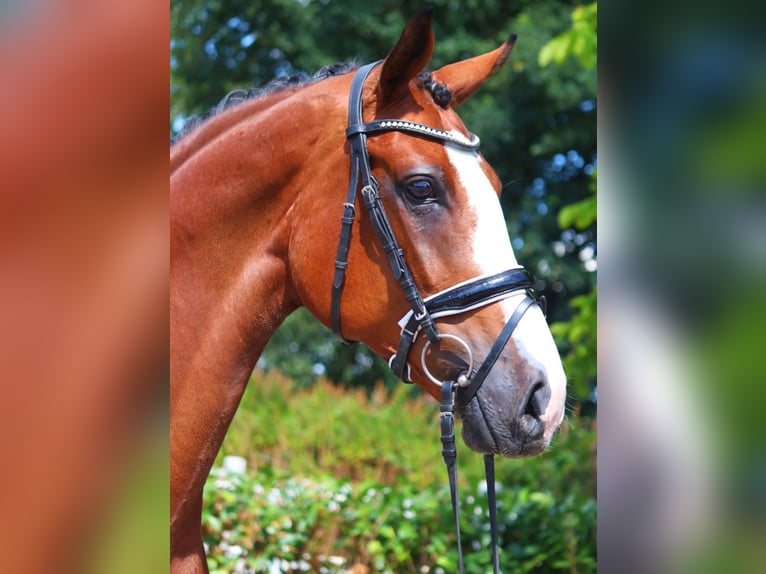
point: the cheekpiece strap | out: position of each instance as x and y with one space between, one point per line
361 172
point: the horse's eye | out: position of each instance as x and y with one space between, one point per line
421 190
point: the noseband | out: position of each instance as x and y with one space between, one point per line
461 298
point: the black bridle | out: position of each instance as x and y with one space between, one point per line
472 294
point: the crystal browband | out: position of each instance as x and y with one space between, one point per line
419 129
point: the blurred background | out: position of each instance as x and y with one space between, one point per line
682 273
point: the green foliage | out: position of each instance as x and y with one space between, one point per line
340 478
577 336
580 214
300 430
579 41
577 341
729 147
271 522
303 349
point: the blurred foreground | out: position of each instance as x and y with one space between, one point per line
682 277
83 286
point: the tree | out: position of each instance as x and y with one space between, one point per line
578 334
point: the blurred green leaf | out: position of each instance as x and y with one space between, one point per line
578 42
579 215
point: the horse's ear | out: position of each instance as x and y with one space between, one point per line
465 77
408 57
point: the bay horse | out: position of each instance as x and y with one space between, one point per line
256 212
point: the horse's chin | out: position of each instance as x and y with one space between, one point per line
489 434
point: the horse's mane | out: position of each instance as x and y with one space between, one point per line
440 93
236 97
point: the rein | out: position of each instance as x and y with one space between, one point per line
461 298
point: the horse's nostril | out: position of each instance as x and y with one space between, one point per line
529 425
538 400
529 420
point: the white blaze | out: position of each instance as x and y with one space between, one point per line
492 253
492 249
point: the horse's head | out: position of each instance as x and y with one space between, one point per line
442 201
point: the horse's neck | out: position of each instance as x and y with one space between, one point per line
191 144
231 198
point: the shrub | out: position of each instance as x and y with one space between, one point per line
339 478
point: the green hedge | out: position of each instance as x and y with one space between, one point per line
338 479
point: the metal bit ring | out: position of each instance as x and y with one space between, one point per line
463 380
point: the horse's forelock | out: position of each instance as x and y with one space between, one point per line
439 92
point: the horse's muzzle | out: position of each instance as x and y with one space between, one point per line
495 423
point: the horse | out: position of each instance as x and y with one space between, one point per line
419 267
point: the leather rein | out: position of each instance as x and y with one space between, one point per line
461 298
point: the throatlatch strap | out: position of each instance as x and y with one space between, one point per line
349 210
341 260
